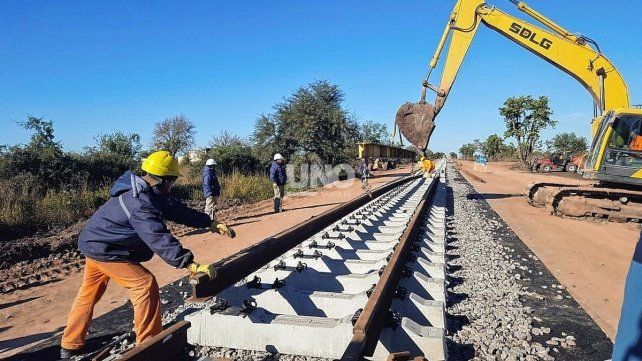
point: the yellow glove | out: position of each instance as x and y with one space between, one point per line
207 269
222 228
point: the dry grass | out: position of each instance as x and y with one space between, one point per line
26 206
247 188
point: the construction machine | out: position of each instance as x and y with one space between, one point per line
614 158
557 162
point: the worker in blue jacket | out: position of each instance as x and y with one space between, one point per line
278 177
125 231
211 191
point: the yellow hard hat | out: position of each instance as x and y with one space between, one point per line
161 163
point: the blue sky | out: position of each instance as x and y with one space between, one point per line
99 66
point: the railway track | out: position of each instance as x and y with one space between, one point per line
364 280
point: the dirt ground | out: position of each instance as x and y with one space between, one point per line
28 316
589 257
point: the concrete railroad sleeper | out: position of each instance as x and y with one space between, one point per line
370 284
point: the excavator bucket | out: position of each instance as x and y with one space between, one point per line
416 123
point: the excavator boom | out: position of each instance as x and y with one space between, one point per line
615 155
569 52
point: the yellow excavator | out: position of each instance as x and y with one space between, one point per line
615 155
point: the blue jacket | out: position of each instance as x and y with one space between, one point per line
211 187
363 169
277 173
130 226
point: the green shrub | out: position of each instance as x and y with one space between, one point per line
233 154
250 188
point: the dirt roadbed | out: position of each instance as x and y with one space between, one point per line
32 315
590 258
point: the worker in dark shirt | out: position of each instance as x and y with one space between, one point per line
279 177
211 191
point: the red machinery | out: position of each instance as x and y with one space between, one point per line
557 162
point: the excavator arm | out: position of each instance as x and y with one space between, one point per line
569 52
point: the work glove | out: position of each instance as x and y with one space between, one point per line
195 268
222 228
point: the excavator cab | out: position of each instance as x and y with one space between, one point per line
620 137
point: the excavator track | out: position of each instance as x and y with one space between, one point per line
541 194
581 201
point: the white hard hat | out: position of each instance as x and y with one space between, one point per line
278 156
210 162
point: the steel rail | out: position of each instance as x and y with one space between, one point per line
167 345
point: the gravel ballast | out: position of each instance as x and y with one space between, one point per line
503 302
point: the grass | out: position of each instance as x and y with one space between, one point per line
246 188
26 206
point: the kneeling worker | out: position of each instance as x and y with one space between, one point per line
211 191
127 230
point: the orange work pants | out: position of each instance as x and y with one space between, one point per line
143 292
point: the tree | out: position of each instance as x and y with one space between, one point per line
232 153
311 120
42 137
507 152
175 135
118 144
468 150
453 155
266 138
479 145
113 154
433 155
525 118
373 132
43 157
492 146
567 142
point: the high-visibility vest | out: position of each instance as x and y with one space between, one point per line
636 143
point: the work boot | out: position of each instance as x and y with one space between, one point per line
225 230
66 354
277 205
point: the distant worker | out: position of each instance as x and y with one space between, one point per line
125 231
426 165
364 171
636 142
278 178
211 191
